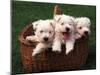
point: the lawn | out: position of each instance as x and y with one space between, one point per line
25 12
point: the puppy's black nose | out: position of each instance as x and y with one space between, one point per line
67 29
45 38
86 32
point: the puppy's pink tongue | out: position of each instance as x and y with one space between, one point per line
66 35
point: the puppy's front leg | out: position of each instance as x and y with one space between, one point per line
38 49
32 38
56 46
69 45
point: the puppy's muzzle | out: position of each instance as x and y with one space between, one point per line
67 29
86 33
45 38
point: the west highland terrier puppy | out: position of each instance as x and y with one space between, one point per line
64 33
44 33
82 27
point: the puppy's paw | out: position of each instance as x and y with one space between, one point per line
29 38
34 54
56 49
36 51
69 49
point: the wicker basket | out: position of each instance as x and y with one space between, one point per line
51 61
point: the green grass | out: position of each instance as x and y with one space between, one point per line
25 12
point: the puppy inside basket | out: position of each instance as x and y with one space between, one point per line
44 34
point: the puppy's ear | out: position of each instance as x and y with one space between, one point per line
35 24
52 23
83 19
88 20
76 21
57 18
73 20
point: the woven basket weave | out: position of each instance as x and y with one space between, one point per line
48 60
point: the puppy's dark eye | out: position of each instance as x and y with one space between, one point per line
41 31
62 23
70 24
50 32
80 27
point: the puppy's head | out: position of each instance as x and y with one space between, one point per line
83 26
65 24
44 29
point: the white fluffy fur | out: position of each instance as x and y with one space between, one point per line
43 29
82 26
63 22
53 30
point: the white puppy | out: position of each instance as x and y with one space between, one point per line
82 27
44 33
64 33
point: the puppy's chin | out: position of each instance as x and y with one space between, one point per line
85 36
